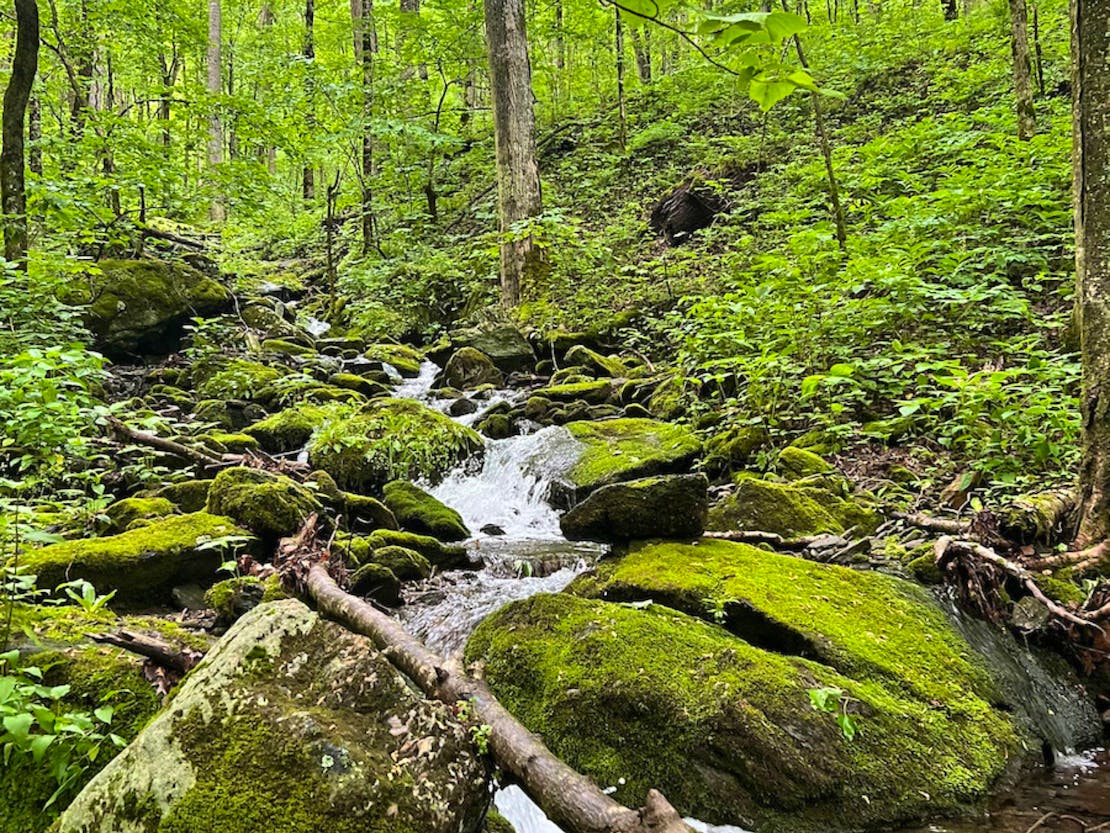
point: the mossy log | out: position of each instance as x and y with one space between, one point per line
1036 517
570 799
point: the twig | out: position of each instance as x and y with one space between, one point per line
162 444
945 526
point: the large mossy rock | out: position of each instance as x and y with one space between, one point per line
469 368
505 345
270 505
719 716
792 510
402 358
616 450
289 429
391 439
141 306
291 724
143 564
419 512
669 506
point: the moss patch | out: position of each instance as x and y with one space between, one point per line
406 360
419 512
790 510
268 504
643 698
623 449
123 513
140 565
391 439
290 429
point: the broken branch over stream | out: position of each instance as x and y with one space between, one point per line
569 798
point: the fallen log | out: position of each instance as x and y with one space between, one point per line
180 660
569 798
162 444
1035 517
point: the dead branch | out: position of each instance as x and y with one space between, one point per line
570 799
1035 517
196 455
945 545
1079 560
177 659
754 536
945 526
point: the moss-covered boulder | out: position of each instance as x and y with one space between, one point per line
284 347
799 464
719 716
417 511
289 429
270 505
141 306
597 364
505 345
402 358
624 449
440 555
187 496
391 439
123 513
592 392
669 506
236 379
791 510
143 564
469 368
376 581
295 724
352 381
235 597
95 677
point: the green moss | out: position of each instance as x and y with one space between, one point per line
1061 590
136 305
235 596
391 439
417 511
406 564
366 513
376 581
225 441
290 429
798 463
598 364
123 513
790 510
405 359
238 379
286 348
594 392
652 698
497 823
268 504
623 449
189 496
443 556
469 368
352 381
141 564
733 448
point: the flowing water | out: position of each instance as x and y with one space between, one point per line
523 553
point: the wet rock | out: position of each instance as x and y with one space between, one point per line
188 597
390 439
469 368
712 705
365 514
140 307
496 426
504 345
597 364
791 510
353 381
462 407
270 505
235 597
290 428
143 564
593 392
291 723
671 506
493 530
189 496
405 360
440 555
377 582
419 512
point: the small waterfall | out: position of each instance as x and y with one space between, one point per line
420 386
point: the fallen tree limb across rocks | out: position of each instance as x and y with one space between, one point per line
569 798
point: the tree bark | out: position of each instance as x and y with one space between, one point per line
950 9
570 799
215 125
366 37
1023 70
1090 46
620 78
308 180
13 193
641 47
514 130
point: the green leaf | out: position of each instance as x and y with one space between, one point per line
19 726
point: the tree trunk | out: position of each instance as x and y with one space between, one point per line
1023 70
366 38
13 194
570 799
34 136
951 11
641 46
308 181
620 78
1037 53
1090 47
215 126
514 130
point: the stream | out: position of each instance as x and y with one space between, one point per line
524 553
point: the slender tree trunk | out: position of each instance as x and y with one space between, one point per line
1023 80
951 11
1038 55
1090 23
308 181
620 78
366 38
34 135
514 126
560 40
13 194
215 125
641 47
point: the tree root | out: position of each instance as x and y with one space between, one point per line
569 798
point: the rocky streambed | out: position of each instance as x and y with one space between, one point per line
544 519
